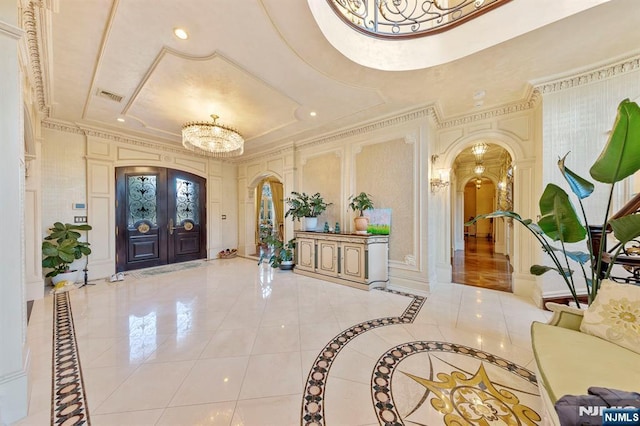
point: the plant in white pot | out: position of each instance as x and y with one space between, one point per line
360 203
307 206
60 248
281 253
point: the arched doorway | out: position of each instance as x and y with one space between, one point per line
269 211
484 171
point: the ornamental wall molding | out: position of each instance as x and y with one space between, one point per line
11 31
281 151
530 102
62 126
428 111
31 23
595 75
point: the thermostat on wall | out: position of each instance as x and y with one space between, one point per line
79 206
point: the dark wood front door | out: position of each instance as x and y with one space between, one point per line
160 217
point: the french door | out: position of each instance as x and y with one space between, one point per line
160 217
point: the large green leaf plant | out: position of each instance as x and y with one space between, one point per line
61 247
559 223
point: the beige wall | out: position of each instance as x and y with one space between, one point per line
323 174
64 179
385 161
385 171
78 166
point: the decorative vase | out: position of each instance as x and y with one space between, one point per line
66 276
361 223
310 223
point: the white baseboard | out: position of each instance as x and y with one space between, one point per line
14 397
34 289
408 286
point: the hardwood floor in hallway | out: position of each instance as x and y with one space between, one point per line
478 265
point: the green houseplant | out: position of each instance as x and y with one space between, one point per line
360 203
308 206
559 222
281 255
61 247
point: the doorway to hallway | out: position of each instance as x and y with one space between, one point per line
481 250
480 266
160 217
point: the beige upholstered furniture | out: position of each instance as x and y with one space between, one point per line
570 361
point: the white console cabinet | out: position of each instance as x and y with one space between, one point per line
360 261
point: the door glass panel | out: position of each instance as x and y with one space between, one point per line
187 201
142 199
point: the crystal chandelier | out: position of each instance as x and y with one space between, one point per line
211 138
478 169
478 151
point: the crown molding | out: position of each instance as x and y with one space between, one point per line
428 111
531 100
32 23
593 75
281 151
63 126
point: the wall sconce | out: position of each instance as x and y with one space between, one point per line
440 177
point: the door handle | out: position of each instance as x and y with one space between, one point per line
170 227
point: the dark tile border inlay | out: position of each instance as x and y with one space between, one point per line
313 397
68 402
385 367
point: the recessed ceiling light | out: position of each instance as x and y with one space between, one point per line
180 33
313 113
120 119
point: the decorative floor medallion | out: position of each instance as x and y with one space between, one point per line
313 397
451 384
68 404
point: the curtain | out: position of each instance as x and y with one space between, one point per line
277 196
258 205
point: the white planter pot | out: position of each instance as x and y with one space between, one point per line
310 223
67 276
286 265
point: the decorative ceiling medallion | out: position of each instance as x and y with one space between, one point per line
398 19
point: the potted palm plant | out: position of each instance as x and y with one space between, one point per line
360 203
307 206
560 223
60 248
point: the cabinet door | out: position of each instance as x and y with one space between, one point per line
306 254
353 263
327 258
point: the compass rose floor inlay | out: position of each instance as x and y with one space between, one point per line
232 343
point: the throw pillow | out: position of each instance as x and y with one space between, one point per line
615 315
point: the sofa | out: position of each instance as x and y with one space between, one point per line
570 360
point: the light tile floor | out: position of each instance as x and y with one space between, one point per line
232 343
